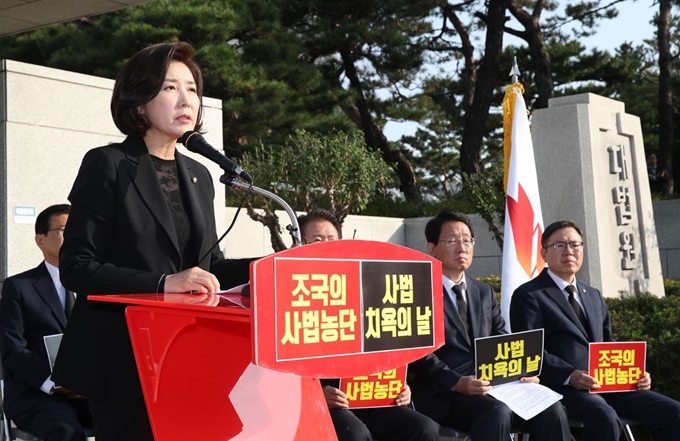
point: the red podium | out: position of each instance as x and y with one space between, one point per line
328 310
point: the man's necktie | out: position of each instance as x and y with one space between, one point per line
462 306
575 306
70 301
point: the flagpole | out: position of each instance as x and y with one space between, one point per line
514 71
523 218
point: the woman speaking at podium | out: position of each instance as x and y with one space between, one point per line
141 218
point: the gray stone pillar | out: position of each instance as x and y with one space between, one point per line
591 169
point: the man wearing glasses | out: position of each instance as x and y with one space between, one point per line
35 304
399 423
574 314
444 386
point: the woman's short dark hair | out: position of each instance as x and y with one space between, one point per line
141 79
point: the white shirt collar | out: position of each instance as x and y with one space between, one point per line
562 284
54 274
448 284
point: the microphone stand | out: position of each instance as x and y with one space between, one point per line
293 228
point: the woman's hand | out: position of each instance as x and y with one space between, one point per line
204 299
192 280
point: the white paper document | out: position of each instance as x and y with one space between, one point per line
525 399
52 343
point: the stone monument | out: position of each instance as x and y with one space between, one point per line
591 169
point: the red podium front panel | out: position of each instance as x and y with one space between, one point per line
336 309
198 380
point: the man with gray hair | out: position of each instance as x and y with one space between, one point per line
35 304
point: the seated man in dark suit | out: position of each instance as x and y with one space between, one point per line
445 387
574 314
400 423
35 304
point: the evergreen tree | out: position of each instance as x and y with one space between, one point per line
333 171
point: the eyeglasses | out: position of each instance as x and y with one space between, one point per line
60 230
560 246
452 242
317 239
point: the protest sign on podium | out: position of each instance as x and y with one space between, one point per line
335 309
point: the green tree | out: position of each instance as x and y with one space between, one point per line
313 170
262 101
323 66
487 194
364 47
459 94
665 104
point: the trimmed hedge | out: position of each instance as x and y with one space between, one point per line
655 320
494 281
672 287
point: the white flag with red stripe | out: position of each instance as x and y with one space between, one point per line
522 259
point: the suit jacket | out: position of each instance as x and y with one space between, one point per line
120 238
29 309
540 303
435 374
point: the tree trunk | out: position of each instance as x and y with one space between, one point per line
533 35
665 156
487 80
375 138
271 221
542 70
468 75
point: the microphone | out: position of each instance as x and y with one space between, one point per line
195 142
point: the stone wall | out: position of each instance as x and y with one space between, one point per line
50 118
250 239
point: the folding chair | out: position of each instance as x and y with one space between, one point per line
451 434
19 434
22 434
625 427
10 432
